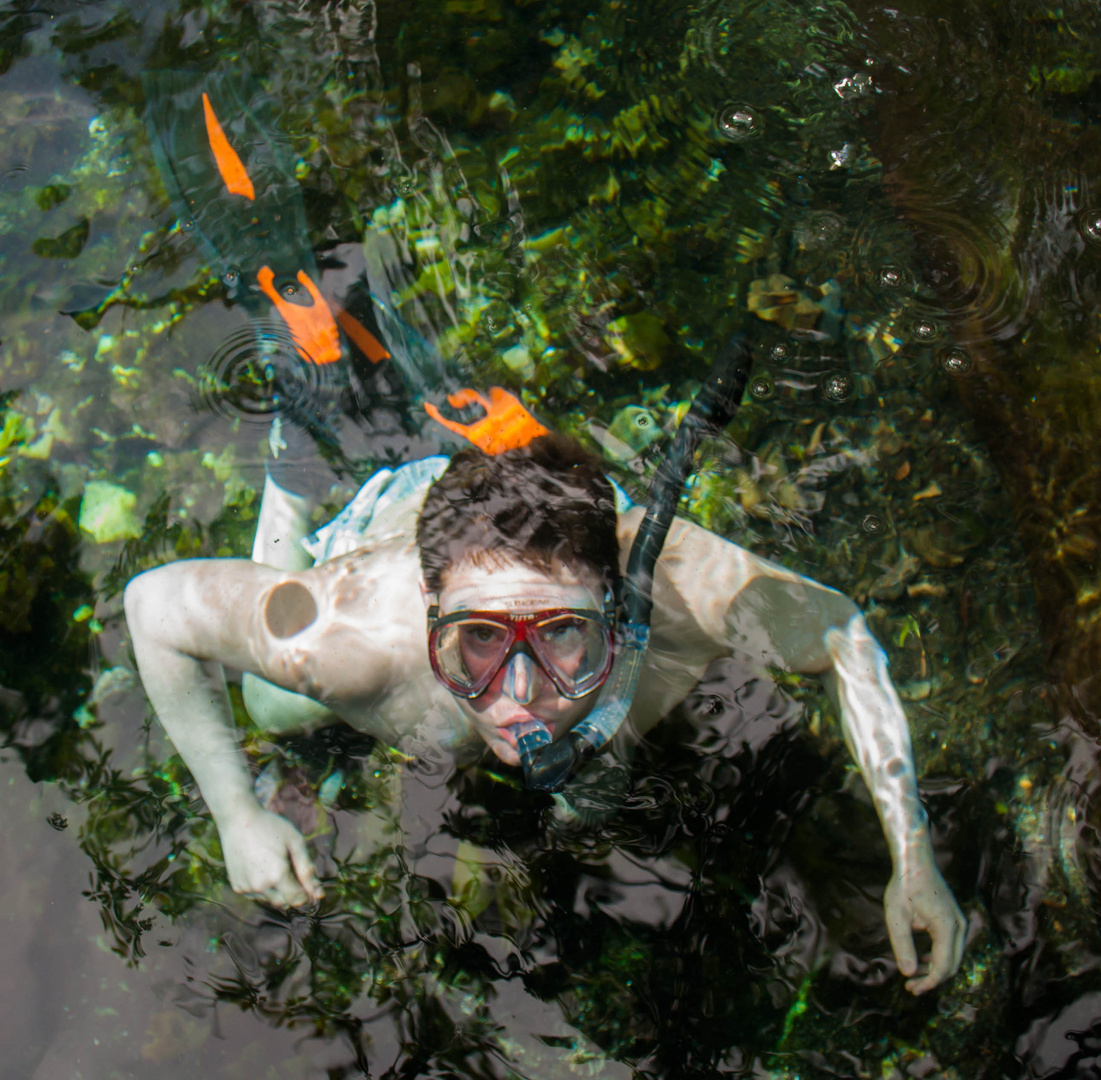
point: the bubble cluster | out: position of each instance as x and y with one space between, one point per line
956 361
856 85
873 525
961 254
761 387
738 123
838 386
843 157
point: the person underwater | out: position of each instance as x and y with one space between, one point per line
473 598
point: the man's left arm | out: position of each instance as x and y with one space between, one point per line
773 616
878 737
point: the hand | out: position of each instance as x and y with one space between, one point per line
918 898
266 859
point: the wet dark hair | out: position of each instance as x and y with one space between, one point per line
542 502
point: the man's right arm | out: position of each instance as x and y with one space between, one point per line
185 620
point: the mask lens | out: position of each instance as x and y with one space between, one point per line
575 648
468 652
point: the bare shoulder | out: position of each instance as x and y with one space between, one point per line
346 632
699 572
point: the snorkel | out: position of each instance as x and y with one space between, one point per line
549 765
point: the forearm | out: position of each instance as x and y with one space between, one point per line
878 737
190 700
284 521
185 620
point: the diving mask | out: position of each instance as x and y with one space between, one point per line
572 646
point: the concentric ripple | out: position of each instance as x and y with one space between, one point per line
964 271
255 373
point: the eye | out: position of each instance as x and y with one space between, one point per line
482 634
563 632
563 626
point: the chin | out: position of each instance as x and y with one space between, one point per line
504 752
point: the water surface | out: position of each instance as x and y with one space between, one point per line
897 205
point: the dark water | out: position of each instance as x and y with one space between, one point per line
896 205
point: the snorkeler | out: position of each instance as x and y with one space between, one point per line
472 599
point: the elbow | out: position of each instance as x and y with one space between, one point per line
140 601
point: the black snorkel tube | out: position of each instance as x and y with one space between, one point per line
549 766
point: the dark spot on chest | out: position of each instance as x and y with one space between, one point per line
289 610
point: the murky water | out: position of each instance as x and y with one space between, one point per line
898 206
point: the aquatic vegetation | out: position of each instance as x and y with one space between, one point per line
579 202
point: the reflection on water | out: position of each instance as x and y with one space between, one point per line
897 204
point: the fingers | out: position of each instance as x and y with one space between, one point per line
900 930
948 931
304 870
917 987
949 938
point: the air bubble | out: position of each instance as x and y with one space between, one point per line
780 352
890 277
873 525
231 276
838 385
1090 224
819 230
925 330
956 361
738 123
404 186
289 289
761 387
188 225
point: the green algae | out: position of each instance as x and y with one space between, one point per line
107 512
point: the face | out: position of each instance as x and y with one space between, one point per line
515 588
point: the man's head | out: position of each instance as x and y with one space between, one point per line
543 503
529 530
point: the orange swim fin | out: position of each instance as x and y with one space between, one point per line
229 164
313 328
507 425
364 340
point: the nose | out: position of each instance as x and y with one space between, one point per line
519 681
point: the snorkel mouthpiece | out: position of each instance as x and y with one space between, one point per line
548 765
